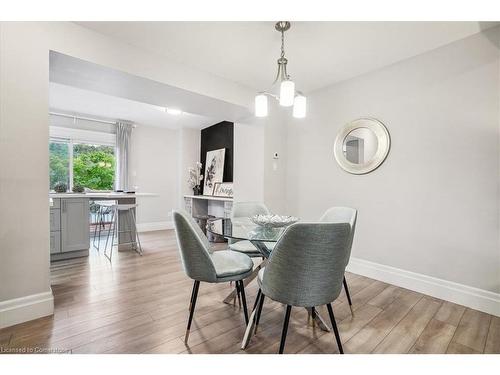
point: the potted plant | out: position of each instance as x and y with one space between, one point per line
78 189
195 178
60 187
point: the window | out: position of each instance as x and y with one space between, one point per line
59 162
94 166
88 164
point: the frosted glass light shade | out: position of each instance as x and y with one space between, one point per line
261 105
287 93
300 106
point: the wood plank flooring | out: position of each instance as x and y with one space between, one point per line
140 305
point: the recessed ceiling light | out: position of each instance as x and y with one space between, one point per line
173 111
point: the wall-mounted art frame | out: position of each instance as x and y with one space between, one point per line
214 170
223 189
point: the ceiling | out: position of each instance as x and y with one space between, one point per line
73 100
319 53
81 87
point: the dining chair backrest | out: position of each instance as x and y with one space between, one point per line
194 248
342 215
307 265
248 209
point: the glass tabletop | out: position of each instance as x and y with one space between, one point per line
243 229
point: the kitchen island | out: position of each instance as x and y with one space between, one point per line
70 226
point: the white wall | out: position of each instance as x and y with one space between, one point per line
189 146
24 172
432 207
154 169
275 170
24 133
249 155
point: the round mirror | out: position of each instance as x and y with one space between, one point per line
362 145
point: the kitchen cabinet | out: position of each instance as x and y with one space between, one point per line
69 228
75 229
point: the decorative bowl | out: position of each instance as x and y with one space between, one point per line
274 221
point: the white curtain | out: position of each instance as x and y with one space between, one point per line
123 135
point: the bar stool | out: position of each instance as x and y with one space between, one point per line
127 210
103 209
94 219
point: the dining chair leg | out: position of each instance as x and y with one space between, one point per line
348 295
191 300
196 287
335 329
313 315
256 303
259 311
285 328
243 300
238 294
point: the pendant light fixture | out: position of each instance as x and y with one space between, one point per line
283 88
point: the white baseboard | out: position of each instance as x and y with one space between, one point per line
19 310
158 225
478 299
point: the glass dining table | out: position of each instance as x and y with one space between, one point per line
264 239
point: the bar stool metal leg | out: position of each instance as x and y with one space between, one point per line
97 226
136 232
101 218
113 224
130 218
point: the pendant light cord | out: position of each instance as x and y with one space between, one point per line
282 43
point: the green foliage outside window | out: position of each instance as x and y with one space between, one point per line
58 163
93 165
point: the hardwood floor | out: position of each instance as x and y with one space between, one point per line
140 305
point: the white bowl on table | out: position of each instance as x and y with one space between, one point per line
274 221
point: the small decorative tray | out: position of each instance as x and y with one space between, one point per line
274 221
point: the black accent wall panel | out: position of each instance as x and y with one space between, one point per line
218 136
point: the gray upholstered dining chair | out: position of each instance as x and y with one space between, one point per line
201 264
247 210
343 215
301 274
